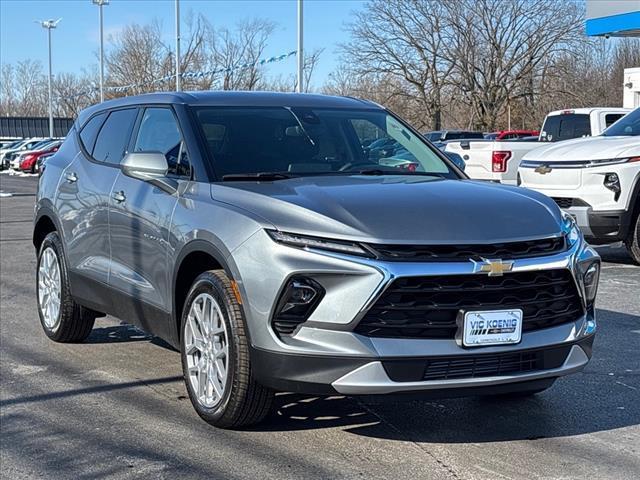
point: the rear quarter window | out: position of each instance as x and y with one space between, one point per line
89 132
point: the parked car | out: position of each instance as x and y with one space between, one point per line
254 233
6 155
444 135
511 134
7 143
454 157
27 161
13 157
498 161
597 180
41 161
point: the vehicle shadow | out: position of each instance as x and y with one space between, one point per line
603 397
615 253
124 332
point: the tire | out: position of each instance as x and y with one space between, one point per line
239 399
69 322
633 240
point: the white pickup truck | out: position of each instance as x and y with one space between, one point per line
597 180
498 161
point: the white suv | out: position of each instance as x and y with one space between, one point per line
595 179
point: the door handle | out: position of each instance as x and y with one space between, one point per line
119 196
71 177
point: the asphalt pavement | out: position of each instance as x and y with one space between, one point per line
116 407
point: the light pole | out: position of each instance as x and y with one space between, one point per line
300 49
178 86
49 24
100 4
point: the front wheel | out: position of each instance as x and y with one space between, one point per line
633 240
215 356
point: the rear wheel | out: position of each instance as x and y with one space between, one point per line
633 240
215 356
62 319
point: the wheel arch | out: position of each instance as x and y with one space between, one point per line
195 257
44 223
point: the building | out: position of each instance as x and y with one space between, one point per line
631 88
618 18
613 18
27 127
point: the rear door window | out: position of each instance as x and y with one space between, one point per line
114 135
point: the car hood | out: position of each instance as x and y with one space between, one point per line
591 148
396 209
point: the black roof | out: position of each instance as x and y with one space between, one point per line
234 99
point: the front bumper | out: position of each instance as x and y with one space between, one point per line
325 355
325 375
602 226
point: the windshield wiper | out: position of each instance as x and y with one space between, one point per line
265 176
377 171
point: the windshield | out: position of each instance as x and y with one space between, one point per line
627 126
304 141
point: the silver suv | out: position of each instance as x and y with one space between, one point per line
306 243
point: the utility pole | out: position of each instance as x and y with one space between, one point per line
300 49
49 24
178 83
100 4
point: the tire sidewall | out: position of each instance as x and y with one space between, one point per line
52 241
633 242
208 283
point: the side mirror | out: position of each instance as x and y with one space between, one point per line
145 165
150 167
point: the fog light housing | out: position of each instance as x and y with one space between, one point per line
612 182
299 298
590 281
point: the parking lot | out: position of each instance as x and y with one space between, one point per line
116 405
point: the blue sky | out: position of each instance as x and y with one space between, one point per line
76 41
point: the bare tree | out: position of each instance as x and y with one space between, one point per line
237 52
405 40
137 56
499 48
289 83
73 93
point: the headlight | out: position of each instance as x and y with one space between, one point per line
570 229
303 241
612 161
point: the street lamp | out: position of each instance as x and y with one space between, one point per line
300 49
178 83
49 24
100 4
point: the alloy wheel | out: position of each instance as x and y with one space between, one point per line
49 288
207 350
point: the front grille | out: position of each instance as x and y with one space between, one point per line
427 307
563 202
456 253
476 365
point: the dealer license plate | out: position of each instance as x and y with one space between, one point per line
494 327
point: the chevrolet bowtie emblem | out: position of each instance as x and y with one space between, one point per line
494 268
542 169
